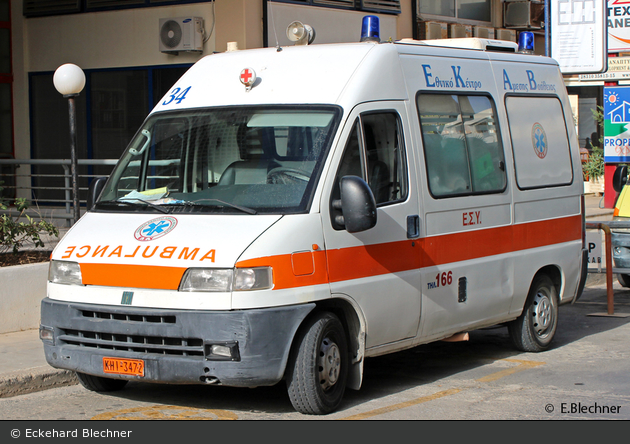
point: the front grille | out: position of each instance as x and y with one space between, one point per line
128 317
133 343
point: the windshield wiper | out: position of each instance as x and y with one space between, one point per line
134 203
216 202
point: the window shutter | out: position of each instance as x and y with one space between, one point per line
34 8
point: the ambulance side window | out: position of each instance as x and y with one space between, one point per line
540 142
462 147
375 152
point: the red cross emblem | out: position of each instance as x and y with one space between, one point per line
248 77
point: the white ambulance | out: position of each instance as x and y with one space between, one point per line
285 213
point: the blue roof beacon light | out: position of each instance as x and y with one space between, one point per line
526 42
370 31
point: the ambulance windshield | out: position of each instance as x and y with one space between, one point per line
243 160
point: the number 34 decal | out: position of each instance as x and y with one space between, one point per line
177 95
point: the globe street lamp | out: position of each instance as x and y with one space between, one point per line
69 81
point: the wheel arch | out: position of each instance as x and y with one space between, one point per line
557 278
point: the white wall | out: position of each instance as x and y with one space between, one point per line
108 39
331 25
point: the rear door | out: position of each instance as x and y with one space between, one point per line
468 266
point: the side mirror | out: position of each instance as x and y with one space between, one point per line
94 191
620 178
357 205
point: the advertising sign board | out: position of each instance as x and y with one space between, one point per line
618 16
579 36
617 124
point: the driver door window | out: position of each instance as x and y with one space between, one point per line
375 153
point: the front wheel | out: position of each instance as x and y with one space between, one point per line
535 328
99 384
624 280
318 369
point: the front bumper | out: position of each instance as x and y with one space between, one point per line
174 344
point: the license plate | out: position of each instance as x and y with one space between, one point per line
118 366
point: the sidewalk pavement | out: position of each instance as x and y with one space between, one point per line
23 367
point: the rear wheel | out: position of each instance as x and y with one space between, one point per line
535 328
318 369
98 384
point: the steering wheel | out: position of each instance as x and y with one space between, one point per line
284 175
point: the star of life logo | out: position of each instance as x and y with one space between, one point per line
539 140
155 228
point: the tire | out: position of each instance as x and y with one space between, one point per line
624 280
318 367
98 384
535 328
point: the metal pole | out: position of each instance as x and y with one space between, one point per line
547 29
610 298
73 158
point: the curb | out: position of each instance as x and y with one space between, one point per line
35 380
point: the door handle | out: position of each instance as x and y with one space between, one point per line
413 226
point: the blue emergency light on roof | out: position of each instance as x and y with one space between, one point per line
370 31
526 42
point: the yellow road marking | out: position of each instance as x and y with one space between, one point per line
160 412
522 365
402 405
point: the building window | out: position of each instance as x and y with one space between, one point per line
477 10
382 6
109 111
40 8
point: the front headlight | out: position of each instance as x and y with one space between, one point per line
207 279
64 272
224 280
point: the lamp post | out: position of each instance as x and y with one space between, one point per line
69 81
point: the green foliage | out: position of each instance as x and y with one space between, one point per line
594 167
598 116
15 234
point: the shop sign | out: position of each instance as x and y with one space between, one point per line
618 69
618 15
578 35
617 124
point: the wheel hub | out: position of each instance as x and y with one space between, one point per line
542 314
329 364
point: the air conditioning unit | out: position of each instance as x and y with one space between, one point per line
181 34
483 32
523 15
432 30
457 31
505 34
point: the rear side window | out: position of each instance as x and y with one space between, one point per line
542 155
462 146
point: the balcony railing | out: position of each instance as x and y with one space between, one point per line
48 192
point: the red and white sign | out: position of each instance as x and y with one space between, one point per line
248 77
618 25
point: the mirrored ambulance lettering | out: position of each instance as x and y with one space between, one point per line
167 252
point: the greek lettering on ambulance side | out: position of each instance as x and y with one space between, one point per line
264 226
